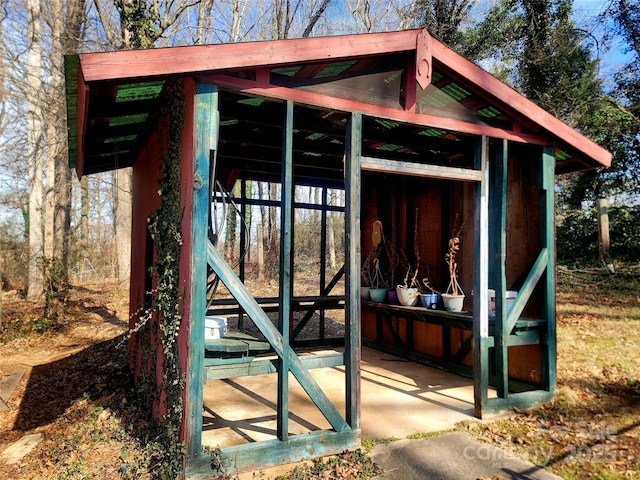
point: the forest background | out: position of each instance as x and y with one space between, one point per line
580 60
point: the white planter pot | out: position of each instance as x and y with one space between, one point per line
364 293
407 296
453 303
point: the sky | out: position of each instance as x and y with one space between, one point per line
585 12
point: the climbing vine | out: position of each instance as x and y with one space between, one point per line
164 305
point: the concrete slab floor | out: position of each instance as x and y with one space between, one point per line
399 398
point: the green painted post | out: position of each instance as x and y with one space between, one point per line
480 280
352 182
286 251
205 113
500 276
547 240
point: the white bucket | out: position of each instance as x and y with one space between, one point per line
214 327
510 297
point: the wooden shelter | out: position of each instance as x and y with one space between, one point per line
409 130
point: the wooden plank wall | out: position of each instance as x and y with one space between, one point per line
443 206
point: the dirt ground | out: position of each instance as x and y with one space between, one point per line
75 391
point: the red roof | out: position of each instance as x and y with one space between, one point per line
451 94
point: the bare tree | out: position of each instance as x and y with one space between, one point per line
34 139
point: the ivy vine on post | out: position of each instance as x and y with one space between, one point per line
165 304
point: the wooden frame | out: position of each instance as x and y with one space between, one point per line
94 79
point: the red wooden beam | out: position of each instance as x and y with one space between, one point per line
132 64
344 105
459 66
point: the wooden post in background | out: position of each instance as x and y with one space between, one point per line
603 227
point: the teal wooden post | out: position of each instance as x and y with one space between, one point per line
286 204
500 276
480 281
547 240
205 141
352 269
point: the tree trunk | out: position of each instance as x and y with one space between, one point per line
122 223
603 227
331 243
34 137
232 226
247 221
84 212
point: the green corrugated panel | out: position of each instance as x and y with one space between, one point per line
489 112
431 132
113 154
436 76
139 91
562 156
334 69
432 100
312 154
288 71
456 92
393 76
123 138
128 119
389 147
233 121
253 101
387 123
336 141
315 136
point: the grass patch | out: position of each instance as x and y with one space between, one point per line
369 443
592 428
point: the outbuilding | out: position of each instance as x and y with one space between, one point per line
426 149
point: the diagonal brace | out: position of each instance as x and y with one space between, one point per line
541 264
274 337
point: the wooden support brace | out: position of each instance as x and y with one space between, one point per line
274 337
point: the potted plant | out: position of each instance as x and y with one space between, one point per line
394 261
366 277
453 298
378 286
409 292
430 297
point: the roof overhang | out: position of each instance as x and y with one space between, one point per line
96 80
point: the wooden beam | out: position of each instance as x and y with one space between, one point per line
206 108
352 181
420 169
547 240
286 252
480 281
500 175
261 366
345 105
521 400
209 58
274 337
253 456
